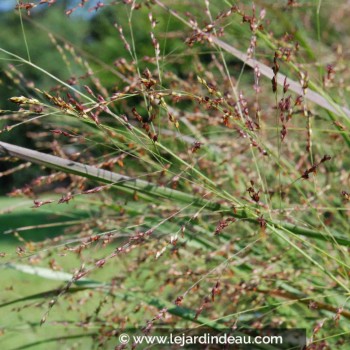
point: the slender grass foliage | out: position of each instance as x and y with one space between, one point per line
185 166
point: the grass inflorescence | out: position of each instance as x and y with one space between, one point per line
184 166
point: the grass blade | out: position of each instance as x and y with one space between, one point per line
127 183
